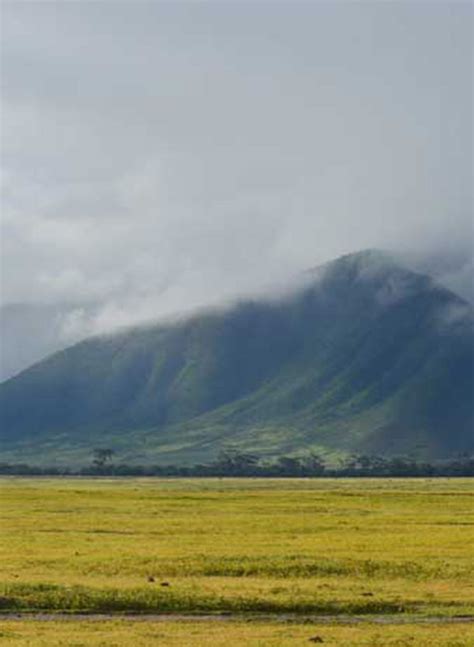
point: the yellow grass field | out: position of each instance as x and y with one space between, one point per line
365 548
120 633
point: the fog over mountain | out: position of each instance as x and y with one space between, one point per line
361 355
157 157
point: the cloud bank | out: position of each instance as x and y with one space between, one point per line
161 156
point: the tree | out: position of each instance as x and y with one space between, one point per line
289 466
232 461
101 456
314 464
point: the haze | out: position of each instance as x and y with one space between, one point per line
160 156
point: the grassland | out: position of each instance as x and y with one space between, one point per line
121 633
248 546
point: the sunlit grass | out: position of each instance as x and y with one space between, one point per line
247 545
122 633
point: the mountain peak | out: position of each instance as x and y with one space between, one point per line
367 261
367 356
372 272
364 257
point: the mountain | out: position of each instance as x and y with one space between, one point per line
362 355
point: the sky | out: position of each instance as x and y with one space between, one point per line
160 156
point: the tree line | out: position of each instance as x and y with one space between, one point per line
235 463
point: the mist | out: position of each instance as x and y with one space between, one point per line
158 157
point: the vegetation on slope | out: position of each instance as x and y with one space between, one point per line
364 356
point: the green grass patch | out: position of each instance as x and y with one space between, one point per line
52 597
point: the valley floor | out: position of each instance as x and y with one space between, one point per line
122 633
258 549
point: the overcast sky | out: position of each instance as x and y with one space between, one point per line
158 156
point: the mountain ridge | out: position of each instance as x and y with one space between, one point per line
362 355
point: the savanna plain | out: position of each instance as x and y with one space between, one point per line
237 562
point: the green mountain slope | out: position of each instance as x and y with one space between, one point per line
364 355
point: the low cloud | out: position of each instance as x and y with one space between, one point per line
158 158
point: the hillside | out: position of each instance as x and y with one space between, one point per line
362 355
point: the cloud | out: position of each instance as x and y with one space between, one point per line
158 157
